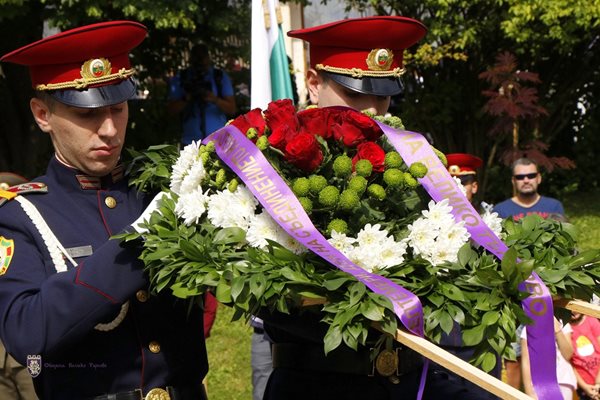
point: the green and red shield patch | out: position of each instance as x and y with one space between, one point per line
7 248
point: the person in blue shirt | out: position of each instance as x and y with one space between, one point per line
526 179
202 95
74 303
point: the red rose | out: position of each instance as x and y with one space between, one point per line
304 152
348 133
368 126
280 113
316 121
281 136
252 119
372 152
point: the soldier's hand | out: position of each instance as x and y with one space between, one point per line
145 217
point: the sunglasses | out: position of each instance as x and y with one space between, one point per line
520 177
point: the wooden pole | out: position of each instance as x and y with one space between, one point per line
459 367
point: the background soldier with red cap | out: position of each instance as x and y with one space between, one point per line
73 303
355 63
464 166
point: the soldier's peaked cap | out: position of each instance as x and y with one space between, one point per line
363 54
86 66
463 163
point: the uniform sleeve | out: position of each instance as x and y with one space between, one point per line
176 91
41 310
227 86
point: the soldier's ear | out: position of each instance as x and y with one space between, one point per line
41 114
313 82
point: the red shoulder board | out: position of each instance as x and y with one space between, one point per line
23 188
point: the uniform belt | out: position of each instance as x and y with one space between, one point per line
168 393
398 362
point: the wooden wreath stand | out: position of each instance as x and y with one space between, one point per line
463 368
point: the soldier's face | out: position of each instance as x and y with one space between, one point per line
89 139
329 93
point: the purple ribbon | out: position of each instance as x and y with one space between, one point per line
248 162
439 184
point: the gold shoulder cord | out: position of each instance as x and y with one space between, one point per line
83 83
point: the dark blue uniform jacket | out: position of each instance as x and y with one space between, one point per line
53 315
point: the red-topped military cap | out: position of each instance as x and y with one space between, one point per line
363 54
86 66
463 164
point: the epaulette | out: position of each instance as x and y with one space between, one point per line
23 188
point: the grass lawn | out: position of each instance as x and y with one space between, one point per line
229 345
583 211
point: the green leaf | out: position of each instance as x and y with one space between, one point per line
452 292
229 236
473 336
371 311
509 264
333 338
490 318
258 283
184 292
223 293
489 362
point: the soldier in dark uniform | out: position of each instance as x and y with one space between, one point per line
15 381
73 303
355 63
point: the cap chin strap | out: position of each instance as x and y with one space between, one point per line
83 83
359 73
57 252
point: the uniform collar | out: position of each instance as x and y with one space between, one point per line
77 180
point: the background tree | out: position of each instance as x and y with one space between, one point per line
172 28
557 39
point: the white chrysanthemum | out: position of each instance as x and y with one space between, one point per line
436 236
366 257
261 228
421 235
341 242
227 209
392 253
460 185
439 214
371 235
287 241
492 220
183 164
191 206
193 179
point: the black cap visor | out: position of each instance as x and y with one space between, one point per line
97 96
387 86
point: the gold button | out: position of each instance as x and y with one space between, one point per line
154 347
110 202
142 296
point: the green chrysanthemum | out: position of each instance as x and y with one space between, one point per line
233 185
262 143
358 184
221 178
393 160
393 177
306 203
317 183
329 196
342 166
410 181
349 200
338 225
251 133
301 187
418 169
376 191
363 168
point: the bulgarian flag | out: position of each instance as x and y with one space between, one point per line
270 72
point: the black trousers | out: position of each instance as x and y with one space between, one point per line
292 384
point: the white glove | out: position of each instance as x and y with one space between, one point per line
153 206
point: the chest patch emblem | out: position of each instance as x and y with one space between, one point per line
7 249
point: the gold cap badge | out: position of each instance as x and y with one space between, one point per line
380 59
